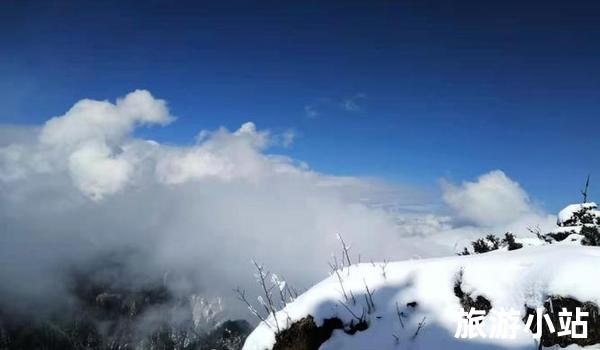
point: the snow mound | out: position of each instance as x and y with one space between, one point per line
407 294
579 214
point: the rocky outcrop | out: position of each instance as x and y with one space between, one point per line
553 306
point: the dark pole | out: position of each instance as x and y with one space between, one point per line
585 190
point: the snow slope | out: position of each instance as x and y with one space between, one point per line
509 279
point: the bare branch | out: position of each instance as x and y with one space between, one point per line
421 325
353 298
345 250
369 308
369 299
291 292
351 312
267 291
383 267
280 284
400 315
241 295
341 281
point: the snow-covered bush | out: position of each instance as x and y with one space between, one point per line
579 214
579 223
491 242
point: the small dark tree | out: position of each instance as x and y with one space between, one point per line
509 241
465 252
491 242
494 242
480 246
591 235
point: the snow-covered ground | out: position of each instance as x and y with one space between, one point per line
510 280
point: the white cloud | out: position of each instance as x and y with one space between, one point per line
82 185
88 140
103 121
494 199
96 172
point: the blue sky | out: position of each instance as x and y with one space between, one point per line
409 91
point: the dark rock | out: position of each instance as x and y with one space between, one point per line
305 335
412 304
552 307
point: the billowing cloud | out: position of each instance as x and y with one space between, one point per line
82 186
88 140
102 121
493 199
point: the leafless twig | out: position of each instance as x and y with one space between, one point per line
292 292
280 286
369 308
400 314
241 295
421 325
269 305
369 299
345 251
353 298
536 230
359 319
340 280
383 267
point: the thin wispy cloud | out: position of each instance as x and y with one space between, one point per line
327 105
311 111
354 103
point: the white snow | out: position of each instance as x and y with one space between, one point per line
509 279
567 213
570 229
